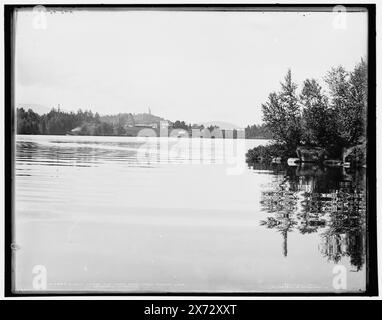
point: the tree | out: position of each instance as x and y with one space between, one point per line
28 122
348 98
317 126
358 102
97 118
338 83
212 127
106 128
257 131
281 114
333 122
180 125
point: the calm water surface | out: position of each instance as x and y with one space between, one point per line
159 215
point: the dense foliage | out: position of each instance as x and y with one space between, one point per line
313 118
266 153
56 121
257 132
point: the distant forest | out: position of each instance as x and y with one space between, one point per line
258 132
58 122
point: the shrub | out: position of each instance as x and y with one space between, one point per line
357 157
266 153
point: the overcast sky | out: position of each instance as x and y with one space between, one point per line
192 66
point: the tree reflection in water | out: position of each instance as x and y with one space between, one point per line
310 198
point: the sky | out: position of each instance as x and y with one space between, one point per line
191 66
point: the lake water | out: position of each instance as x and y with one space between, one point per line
125 214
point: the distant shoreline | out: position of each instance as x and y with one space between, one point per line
124 136
88 123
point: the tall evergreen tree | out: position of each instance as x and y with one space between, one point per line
316 116
281 113
358 103
338 83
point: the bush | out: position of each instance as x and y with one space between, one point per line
266 153
357 157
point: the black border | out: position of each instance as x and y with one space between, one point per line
8 143
372 265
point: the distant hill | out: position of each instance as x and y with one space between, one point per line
129 118
38 108
146 118
221 124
